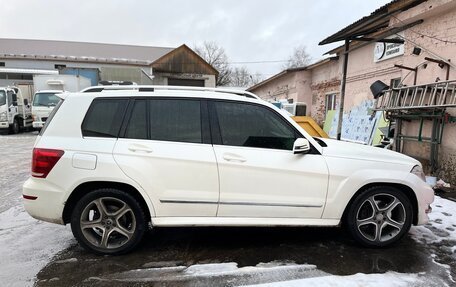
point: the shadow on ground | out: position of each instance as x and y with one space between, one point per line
330 249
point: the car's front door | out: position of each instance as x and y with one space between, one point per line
260 176
166 149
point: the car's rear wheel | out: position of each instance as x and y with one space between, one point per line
380 216
108 221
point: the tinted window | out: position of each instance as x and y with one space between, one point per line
175 120
137 125
104 118
253 126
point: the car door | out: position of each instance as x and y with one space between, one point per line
166 149
259 174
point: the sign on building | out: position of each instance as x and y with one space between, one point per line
384 51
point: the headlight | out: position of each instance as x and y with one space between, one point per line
3 117
418 171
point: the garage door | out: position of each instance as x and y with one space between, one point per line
185 82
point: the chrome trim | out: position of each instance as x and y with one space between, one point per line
188 201
239 203
269 204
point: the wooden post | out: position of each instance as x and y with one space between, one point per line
342 89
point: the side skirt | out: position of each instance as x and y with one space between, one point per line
240 221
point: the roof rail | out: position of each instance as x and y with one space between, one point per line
151 88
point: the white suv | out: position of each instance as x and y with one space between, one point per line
113 160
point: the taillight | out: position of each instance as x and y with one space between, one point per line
44 160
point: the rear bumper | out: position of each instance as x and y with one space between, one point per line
424 195
49 203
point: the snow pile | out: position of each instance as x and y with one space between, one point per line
441 226
390 279
27 245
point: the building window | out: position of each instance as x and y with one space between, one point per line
59 66
330 102
394 83
2 64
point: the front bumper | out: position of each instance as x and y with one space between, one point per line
49 203
4 125
424 195
38 125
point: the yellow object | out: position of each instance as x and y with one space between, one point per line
310 126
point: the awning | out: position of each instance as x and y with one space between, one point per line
29 71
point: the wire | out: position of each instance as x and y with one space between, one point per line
424 35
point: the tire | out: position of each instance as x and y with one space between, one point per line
100 226
379 217
16 128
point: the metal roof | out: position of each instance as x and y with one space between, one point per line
80 51
372 23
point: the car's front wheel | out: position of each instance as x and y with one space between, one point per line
380 216
108 221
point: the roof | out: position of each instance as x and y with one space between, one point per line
80 51
292 70
374 22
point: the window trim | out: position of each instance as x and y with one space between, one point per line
217 136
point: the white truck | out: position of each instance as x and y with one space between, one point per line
45 99
15 113
42 105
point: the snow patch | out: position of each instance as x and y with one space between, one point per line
390 279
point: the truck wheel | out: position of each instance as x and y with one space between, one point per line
108 221
380 216
16 128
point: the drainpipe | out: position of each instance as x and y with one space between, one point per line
342 89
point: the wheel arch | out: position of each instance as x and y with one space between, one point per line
402 187
87 187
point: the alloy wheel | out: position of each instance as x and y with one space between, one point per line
108 222
381 217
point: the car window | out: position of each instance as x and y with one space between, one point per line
2 98
104 118
45 99
175 120
137 125
253 126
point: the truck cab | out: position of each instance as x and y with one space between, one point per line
43 103
15 113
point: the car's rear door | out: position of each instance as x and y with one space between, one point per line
165 147
260 176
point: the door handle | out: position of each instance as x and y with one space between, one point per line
233 157
139 148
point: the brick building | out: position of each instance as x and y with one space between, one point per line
405 43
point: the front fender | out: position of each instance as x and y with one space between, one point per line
341 189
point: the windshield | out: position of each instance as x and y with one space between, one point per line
2 98
45 99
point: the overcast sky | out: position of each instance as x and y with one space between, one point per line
249 30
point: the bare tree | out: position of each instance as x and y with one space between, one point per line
215 55
299 58
240 77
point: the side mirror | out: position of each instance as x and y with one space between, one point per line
301 145
25 102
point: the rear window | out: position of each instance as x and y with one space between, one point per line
104 118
